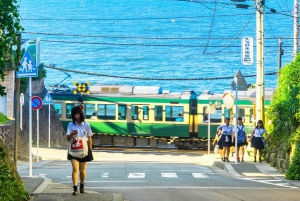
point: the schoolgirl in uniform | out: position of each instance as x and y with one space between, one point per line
257 139
226 138
240 132
78 127
219 143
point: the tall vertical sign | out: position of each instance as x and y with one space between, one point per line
247 50
28 69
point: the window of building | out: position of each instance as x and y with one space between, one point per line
158 113
106 111
174 113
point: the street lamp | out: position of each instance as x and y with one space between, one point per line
211 110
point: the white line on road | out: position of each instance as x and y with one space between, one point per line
169 175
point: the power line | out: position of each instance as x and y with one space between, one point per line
148 78
138 37
127 19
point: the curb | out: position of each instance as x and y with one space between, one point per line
118 197
227 167
42 187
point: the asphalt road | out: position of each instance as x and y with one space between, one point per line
167 180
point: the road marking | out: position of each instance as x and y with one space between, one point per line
136 176
184 187
42 175
270 182
200 175
169 175
105 175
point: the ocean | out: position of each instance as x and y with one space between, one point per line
157 39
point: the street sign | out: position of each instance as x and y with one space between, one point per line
242 84
22 99
36 103
47 100
247 51
28 67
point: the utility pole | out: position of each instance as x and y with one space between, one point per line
260 89
280 53
296 25
17 100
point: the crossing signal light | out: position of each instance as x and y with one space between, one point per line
81 88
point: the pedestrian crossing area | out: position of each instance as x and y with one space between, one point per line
140 175
275 182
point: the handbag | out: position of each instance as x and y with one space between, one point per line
216 149
78 147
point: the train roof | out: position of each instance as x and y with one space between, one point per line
128 91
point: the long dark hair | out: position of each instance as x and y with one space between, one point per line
262 124
77 110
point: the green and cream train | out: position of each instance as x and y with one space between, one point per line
149 116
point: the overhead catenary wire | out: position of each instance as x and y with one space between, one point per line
138 37
151 78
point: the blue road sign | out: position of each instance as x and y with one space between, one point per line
47 100
36 103
28 67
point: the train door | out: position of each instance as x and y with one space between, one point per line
140 119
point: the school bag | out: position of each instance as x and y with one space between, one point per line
241 135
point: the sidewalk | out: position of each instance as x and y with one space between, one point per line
250 169
42 189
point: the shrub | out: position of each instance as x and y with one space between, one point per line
11 189
3 118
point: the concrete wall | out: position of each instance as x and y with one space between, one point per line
7 102
58 137
279 158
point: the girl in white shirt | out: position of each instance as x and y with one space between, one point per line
257 139
78 127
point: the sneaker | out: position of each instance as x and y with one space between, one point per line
238 159
223 159
243 160
227 160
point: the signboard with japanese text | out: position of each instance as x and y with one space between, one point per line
247 51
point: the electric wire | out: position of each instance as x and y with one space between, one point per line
151 78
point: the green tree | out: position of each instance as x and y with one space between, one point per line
9 29
284 112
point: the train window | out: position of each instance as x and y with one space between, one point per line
69 107
106 111
121 112
174 113
145 112
226 113
251 116
89 110
134 112
241 113
215 117
158 112
58 109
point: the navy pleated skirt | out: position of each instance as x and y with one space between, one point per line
88 158
223 141
257 143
